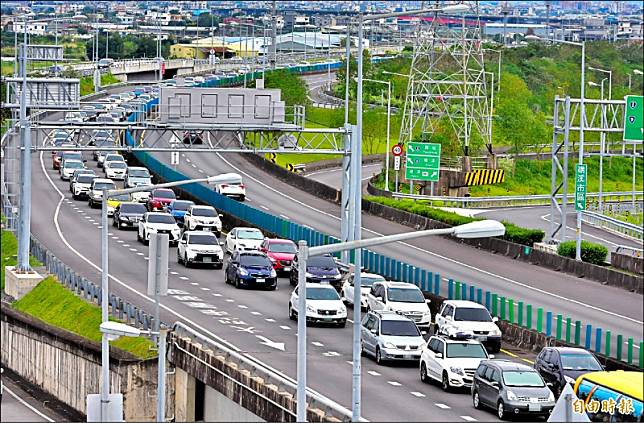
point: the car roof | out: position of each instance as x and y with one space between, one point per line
457 341
571 350
207 233
137 168
390 315
251 253
394 284
510 365
246 228
463 303
159 213
201 206
163 189
279 241
98 180
368 275
132 203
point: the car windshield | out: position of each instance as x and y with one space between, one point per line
139 173
117 165
72 164
282 247
472 315
114 157
319 293
120 197
203 240
399 328
160 218
104 185
71 155
405 295
324 262
164 194
181 205
133 208
250 260
367 281
202 211
85 179
249 234
465 350
579 362
525 378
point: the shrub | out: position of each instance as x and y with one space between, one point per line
525 236
590 252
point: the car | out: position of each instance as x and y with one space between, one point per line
200 247
67 154
561 365
157 222
106 118
91 112
178 209
128 214
389 336
403 298
160 198
318 269
323 305
135 176
95 192
74 118
114 201
81 185
142 196
193 137
102 106
199 79
250 268
468 316
57 157
113 157
105 63
233 188
100 155
75 176
244 238
68 166
280 252
115 170
366 280
115 98
511 389
452 361
138 91
202 218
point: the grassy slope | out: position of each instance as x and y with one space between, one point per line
54 304
87 83
9 247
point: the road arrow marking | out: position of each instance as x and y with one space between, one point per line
269 343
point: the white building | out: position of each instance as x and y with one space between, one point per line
34 27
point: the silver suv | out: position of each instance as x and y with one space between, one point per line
387 335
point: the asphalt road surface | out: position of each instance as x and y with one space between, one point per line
19 406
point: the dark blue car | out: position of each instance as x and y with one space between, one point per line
318 269
250 269
178 209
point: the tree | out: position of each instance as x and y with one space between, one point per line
206 19
374 131
353 72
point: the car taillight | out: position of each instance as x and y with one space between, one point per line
241 186
224 185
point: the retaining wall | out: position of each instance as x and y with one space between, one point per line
627 262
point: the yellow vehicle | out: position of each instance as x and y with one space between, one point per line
618 394
114 201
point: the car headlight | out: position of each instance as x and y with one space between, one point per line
242 272
569 380
309 275
272 260
124 218
310 309
495 332
273 273
343 309
457 370
389 345
511 396
338 276
152 230
551 396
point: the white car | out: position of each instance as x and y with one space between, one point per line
451 361
202 218
74 118
141 196
366 280
323 305
234 188
113 157
470 317
158 222
403 298
244 238
200 247
68 167
136 175
82 185
95 193
115 169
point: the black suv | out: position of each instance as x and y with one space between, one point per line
561 365
319 269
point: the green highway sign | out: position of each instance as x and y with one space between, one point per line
634 118
580 187
423 161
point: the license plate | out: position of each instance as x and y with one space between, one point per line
259 280
481 338
407 356
328 319
287 268
534 407
207 259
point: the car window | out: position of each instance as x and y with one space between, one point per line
472 315
202 211
496 377
481 371
488 374
235 257
282 247
249 234
446 310
440 347
203 239
319 293
528 378
399 328
133 208
160 218
547 356
405 295
324 262
164 194
254 260
464 350
583 361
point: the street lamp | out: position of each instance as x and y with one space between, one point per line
105 346
388 83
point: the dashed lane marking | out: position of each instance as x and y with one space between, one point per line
443 406
125 245
270 320
468 418
205 289
417 394
264 207
183 278
216 294
285 327
373 373
285 217
140 254
394 383
317 344
230 300
132 249
194 283
242 306
172 272
255 313
120 241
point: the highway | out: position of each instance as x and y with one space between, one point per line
20 406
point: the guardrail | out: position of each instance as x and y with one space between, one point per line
635 252
514 200
613 225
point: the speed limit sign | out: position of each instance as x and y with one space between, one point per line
397 150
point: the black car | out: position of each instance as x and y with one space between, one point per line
319 269
561 365
128 215
250 268
193 137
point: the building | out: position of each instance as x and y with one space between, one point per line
33 28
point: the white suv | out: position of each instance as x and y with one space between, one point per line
115 169
366 281
202 218
403 298
200 247
158 222
244 238
469 317
95 192
451 361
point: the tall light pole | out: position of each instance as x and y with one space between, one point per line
24 222
636 72
388 83
602 144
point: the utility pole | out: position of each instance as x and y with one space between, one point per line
505 21
24 228
273 60
547 20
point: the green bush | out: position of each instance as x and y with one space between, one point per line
590 252
513 233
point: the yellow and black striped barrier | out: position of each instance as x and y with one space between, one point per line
272 157
484 177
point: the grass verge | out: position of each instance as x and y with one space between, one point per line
9 247
87 83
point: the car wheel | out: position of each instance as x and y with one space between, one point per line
146 241
185 260
342 324
423 373
291 313
90 203
362 351
242 197
500 410
476 400
138 235
237 284
179 258
291 281
445 382
379 359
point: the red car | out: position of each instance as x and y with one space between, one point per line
160 198
280 252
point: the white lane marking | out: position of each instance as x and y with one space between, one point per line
205 289
216 294
241 306
115 237
255 313
177 292
417 394
331 354
194 283
186 297
172 272
140 254
467 266
120 241
264 207
125 245
230 300
394 383
339 169
29 406
284 327
443 406
200 170
373 373
193 165
96 223
183 278
468 418
317 344
285 217
586 233
132 249
80 211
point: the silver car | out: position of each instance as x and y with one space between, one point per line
390 336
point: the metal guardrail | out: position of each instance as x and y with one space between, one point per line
635 252
613 225
514 200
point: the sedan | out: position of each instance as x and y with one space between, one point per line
280 252
250 268
128 215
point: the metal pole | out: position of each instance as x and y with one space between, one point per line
564 202
602 144
305 41
161 375
56 43
634 161
302 257
105 345
347 77
553 164
582 118
346 213
388 136
107 44
274 36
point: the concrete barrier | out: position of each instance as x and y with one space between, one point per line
627 262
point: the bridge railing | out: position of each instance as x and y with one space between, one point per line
611 224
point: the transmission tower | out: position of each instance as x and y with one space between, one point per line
447 78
